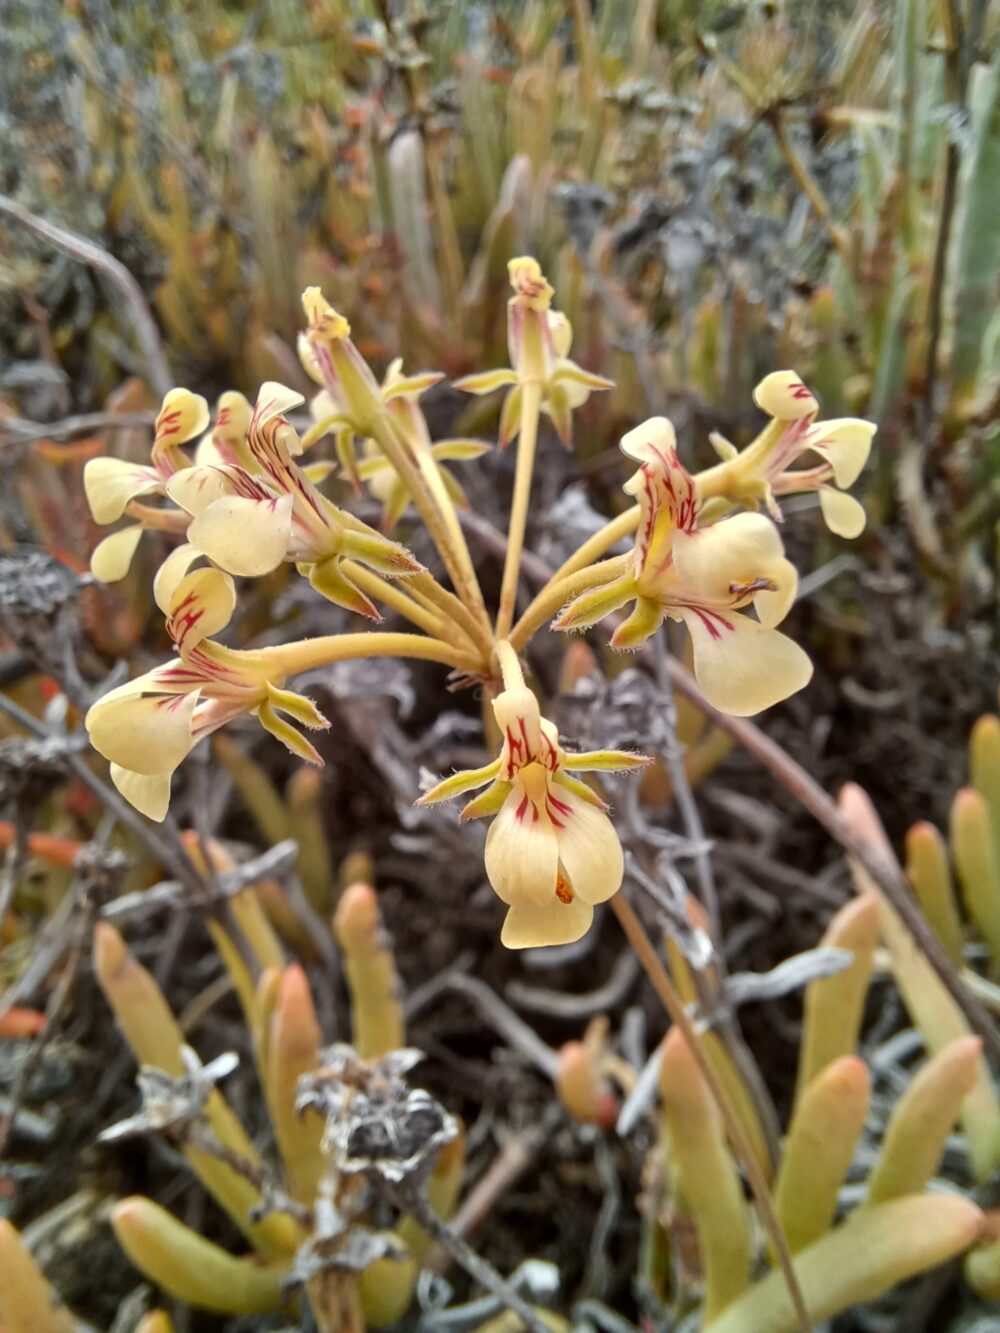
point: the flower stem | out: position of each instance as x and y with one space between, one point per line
531 401
442 523
601 542
388 591
304 655
558 591
425 588
510 667
160 520
673 1003
412 1200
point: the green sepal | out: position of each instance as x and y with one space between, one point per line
557 402
574 374
348 456
487 802
459 451
462 781
412 385
580 789
286 733
488 382
646 619
510 417
329 582
595 604
298 706
379 553
606 761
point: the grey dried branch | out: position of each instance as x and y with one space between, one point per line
89 252
409 1197
15 430
274 863
39 612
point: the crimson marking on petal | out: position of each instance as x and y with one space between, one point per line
799 390
167 423
522 809
554 808
712 620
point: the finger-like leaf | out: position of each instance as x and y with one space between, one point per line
190 1267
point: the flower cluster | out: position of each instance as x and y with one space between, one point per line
707 554
539 341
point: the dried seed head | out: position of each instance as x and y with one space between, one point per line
171 1105
374 1123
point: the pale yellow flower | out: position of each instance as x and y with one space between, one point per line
111 483
400 394
149 725
539 341
249 522
704 577
764 469
552 852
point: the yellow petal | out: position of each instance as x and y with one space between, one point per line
182 416
324 322
149 733
202 604
207 455
742 666
519 719
529 927
650 442
588 848
710 564
846 442
109 484
561 333
844 515
195 488
274 400
171 572
113 556
232 416
248 537
772 607
150 794
783 395
322 407
522 851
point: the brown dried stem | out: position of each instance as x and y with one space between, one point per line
886 875
674 1005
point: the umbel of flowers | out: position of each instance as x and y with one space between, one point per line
707 553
